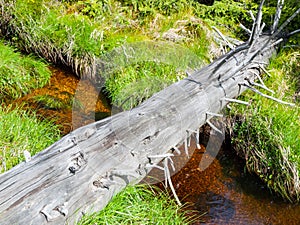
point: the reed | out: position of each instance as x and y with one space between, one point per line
267 132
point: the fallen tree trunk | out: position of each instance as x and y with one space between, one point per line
80 173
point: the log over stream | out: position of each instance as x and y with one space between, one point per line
81 172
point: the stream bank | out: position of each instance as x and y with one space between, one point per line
225 193
55 101
221 194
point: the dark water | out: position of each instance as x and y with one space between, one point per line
222 194
225 193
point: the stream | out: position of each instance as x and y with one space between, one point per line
224 193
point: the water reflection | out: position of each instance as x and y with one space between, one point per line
217 206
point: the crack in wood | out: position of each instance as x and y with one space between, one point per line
150 138
78 162
52 213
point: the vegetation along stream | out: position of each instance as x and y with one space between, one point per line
224 193
37 100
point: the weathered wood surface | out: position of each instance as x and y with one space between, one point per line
80 173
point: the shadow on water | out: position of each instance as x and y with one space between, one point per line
217 206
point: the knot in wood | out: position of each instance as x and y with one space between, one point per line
78 161
103 182
72 169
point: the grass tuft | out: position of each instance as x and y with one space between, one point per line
139 205
133 84
20 131
268 133
52 102
20 74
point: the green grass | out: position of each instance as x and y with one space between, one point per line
139 205
20 131
75 32
20 74
135 83
269 133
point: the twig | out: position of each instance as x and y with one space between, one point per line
235 100
272 45
252 44
166 173
196 135
168 178
265 71
176 150
213 127
245 29
286 22
277 15
258 18
171 163
261 86
261 29
259 78
293 33
214 114
188 136
186 150
268 96
224 38
154 166
198 140
252 16
256 24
